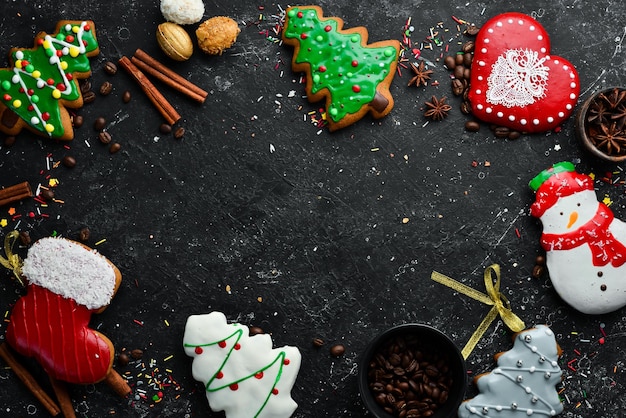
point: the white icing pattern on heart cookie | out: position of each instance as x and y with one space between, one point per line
524 382
243 376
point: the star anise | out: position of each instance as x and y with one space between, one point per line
620 116
437 109
598 112
422 75
610 138
615 98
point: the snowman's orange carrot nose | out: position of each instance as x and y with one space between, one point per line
572 218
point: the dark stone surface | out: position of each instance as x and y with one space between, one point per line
304 227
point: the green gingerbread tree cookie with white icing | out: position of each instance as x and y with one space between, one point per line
340 65
42 81
523 384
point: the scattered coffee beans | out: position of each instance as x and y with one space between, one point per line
89 97
180 131
337 350
69 161
408 380
115 147
85 86
136 354
165 128
25 237
472 126
105 137
126 96
318 342
84 234
47 194
123 359
106 88
110 68
100 123
77 121
255 330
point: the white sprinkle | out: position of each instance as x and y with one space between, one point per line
272 149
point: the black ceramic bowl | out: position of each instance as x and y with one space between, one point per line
434 346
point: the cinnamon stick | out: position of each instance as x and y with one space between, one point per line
162 105
60 389
164 74
117 383
29 381
15 193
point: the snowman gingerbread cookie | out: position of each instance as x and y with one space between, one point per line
585 244
515 81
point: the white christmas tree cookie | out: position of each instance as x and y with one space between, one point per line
584 242
524 382
243 375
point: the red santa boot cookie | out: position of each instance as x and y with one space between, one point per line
584 242
515 82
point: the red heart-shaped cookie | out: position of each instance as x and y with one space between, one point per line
515 81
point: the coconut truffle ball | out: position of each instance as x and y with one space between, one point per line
183 12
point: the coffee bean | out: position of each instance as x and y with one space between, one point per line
467 74
106 88
337 350
459 70
9 141
137 353
501 132
318 342
457 87
541 260
85 86
537 271
100 123
180 131
458 59
77 121
84 234
466 107
449 62
115 147
69 161
126 96
468 46
514 135
89 97
165 128
472 30
25 237
467 59
104 137
47 194
255 330
123 359
472 126
110 68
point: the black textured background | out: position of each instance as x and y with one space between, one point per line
304 227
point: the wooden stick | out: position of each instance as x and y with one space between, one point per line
60 389
163 106
15 193
29 381
174 80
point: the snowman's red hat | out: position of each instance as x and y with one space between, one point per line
558 181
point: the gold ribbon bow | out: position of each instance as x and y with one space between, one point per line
13 261
501 305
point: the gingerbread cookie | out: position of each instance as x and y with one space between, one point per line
585 244
523 384
243 375
515 82
67 282
41 82
340 66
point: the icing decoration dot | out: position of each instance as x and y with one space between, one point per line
34 120
356 88
6 97
56 93
274 391
322 69
17 103
198 350
222 344
6 85
259 375
328 28
303 36
237 346
49 128
355 63
45 116
233 386
286 362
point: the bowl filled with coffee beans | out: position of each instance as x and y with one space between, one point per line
601 124
412 371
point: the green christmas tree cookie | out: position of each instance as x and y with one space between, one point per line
41 82
340 66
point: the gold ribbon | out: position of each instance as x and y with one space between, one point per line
13 261
501 305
